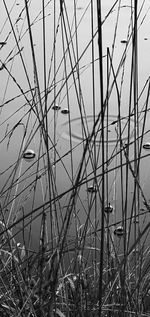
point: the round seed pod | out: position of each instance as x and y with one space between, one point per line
65 111
29 155
146 146
91 189
119 231
108 209
124 41
56 107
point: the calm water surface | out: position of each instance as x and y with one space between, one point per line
24 186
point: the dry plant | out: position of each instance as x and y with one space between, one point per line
74 210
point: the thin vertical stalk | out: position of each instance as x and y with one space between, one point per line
94 150
33 55
136 142
100 51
